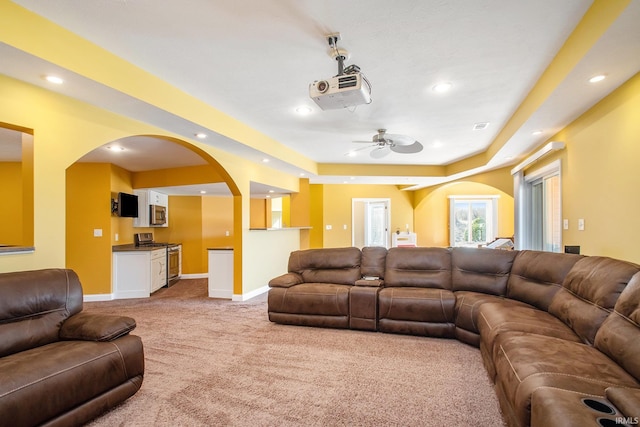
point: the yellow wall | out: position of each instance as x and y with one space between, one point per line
11 195
600 175
337 212
432 211
88 208
258 214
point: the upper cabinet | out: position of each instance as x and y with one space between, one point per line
153 209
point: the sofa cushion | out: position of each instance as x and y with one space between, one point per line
45 382
527 362
515 318
619 336
332 265
590 292
34 305
537 276
418 268
416 311
627 400
326 299
481 270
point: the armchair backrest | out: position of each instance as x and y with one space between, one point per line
418 267
33 306
335 265
537 276
481 270
590 292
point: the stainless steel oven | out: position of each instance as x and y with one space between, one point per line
173 264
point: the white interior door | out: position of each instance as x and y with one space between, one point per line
370 222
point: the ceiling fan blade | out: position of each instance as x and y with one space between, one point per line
380 152
416 147
399 139
364 142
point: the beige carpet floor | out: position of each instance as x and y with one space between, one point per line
211 362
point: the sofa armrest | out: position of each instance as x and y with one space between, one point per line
96 327
286 280
627 400
376 283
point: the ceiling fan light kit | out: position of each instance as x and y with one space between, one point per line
384 143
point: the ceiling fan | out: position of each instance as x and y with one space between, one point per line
384 143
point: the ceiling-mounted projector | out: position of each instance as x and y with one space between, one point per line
347 90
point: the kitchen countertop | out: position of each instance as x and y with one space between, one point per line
133 248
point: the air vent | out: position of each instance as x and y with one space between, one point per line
347 81
480 126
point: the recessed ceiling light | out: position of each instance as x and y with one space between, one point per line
271 191
201 135
351 154
536 132
480 126
265 160
54 79
442 87
302 174
598 78
303 110
115 148
203 192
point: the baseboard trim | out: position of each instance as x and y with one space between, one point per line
98 297
194 276
249 295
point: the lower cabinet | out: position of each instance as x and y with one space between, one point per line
137 274
220 273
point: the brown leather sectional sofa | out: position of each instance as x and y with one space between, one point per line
559 334
60 366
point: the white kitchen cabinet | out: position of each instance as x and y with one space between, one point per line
138 273
145 199
220 273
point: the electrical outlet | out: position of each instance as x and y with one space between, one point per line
581 224
117 237
344 226
226 233
97 232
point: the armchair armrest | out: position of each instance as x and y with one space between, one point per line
376 283
96 327
286 280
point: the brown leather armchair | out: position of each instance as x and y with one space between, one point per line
58 365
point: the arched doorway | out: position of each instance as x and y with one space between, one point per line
136 162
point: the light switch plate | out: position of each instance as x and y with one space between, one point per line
581 224
97 232
565 224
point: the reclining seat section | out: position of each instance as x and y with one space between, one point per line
315 291
477 279
417 297
535 279
525 362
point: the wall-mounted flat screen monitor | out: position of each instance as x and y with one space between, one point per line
127 205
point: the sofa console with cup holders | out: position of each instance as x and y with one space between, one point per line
60 366
559 334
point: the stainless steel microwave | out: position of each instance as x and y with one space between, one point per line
157 215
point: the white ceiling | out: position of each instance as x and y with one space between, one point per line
254 60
